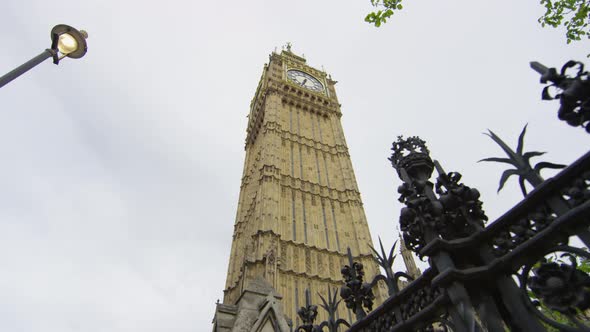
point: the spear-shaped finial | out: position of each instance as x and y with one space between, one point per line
521 162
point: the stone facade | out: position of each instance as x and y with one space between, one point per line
257 310
299 207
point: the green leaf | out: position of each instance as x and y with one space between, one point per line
373 18
389 3
569 14
584 265
381 16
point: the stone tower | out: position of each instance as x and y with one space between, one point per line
299 207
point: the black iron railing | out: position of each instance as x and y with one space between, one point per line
526 271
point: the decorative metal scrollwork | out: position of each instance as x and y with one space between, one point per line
573 92
356 293
415 217
385 322
408 151
523 229
386 262
419 300
463 212
412 161
469 287
308 315
456 213
557 288
521 162
579 190
331 307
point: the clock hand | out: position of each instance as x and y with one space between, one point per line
304 81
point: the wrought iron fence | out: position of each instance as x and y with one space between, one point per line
522 272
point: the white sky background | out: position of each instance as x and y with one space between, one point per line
120 171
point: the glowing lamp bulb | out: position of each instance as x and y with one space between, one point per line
67 44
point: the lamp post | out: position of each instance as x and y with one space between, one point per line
65 42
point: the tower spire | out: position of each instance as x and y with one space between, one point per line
299 206
409 262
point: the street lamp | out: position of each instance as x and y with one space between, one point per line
65 42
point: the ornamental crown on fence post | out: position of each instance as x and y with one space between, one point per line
518 272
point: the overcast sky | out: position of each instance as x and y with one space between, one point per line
120 171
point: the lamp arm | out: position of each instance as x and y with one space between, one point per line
48 53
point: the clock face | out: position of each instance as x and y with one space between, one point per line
305 80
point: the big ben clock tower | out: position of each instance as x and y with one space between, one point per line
299 207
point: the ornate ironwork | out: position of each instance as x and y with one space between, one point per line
411 154
331 307
410 310
457 212
308 315
578 191
356 293
573 92
521 162
414 166
557 283
386 262
522 229
470 284
463 212
562 287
